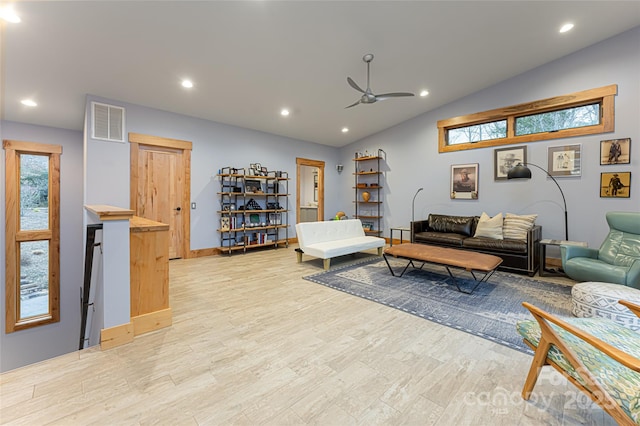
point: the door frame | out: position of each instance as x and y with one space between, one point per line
137 139
320 166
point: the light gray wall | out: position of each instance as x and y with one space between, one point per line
215 146
35 344
413 159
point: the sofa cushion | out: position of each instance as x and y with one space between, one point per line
447 238
505 246
490 227
455 224
516 226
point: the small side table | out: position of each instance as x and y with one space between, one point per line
544 272
399 229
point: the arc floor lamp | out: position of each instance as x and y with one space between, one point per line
413 216
521 171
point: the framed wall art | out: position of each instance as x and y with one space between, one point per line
615 151
464 181
615 185
564 160
506 158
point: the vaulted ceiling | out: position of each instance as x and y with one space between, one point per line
250 59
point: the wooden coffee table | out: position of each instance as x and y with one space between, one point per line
470 261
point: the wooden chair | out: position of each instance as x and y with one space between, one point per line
600 357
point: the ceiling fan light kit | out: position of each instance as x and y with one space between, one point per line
368 97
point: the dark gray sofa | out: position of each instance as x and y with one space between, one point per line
457 232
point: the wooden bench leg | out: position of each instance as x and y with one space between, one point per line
326 263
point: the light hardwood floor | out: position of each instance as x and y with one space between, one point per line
253 343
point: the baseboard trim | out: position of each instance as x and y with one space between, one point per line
152 321
204 252
116 336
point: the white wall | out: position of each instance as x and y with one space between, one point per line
414 161
35 344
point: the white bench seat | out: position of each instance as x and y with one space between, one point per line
334 238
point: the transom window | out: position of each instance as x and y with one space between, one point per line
552 121
580 113
32 188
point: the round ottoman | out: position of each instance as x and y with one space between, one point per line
595 299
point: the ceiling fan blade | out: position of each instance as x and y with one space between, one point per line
352 105
354 85
393 95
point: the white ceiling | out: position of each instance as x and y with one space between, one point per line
250 59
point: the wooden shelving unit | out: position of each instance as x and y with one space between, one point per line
253 210
368 176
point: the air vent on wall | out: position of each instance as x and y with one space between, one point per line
108 122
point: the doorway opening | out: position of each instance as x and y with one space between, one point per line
309 190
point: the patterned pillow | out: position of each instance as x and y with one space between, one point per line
490 227
515 227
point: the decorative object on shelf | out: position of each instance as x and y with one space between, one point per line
615 185
564 160
506 158
520 171
225 222
615 151
252 186
464 181
367 226
366 196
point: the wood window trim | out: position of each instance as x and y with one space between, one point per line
604 95
14 236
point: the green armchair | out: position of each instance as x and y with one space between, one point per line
618 258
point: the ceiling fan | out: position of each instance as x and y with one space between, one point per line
368 97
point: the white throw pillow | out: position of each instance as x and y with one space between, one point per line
489 227
516 226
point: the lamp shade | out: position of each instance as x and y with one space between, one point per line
519 172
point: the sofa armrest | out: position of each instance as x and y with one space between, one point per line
419 226
534 234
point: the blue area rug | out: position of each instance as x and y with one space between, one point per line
491 312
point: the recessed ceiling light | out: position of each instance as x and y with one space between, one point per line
345 129
187 84
424 93
28 102
9 15
284 112
566 27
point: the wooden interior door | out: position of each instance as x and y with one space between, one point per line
159 192
161 186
